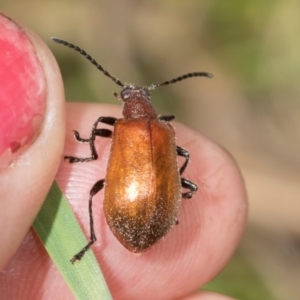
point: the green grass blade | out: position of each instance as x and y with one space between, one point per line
62 237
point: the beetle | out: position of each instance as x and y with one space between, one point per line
142 187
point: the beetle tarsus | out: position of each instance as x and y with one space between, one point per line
78 138
80 254
98 186
73 159
76 257
184 153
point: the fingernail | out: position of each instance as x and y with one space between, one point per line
22 92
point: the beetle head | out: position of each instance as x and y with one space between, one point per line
136 101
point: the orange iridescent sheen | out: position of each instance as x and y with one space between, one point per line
142 184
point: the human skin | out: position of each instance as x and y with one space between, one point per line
194 252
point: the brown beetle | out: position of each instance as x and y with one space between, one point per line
142 188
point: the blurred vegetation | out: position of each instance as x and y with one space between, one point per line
256 40
251 106
240 281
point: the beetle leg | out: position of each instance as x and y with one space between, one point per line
185 183
91 140
99 132
98 186
166 118
184 153
94 155
78 138
107 120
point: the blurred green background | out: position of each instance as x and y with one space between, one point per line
251 107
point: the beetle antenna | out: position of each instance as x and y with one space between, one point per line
87 56
186 76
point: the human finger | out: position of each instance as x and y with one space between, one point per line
31 131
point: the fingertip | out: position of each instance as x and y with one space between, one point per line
210 224
31 131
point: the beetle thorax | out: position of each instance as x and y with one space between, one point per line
137 103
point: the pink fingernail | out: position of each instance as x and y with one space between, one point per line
22 92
